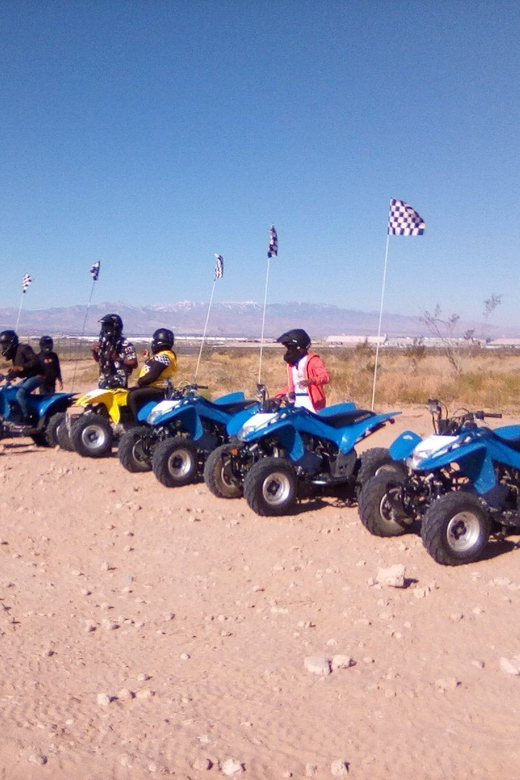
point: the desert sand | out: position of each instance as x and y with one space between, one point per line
153 632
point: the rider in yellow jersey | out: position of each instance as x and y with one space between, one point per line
156 371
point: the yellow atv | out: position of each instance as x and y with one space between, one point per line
95 421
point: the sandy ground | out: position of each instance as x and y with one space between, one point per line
153 632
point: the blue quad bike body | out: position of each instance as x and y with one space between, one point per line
181 431
47 413
285 453
461 483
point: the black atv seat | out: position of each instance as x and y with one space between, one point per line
513 443
343 419
236 406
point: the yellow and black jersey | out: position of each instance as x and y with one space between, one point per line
158 369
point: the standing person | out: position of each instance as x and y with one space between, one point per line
51 364
156 371
114 353
306 371
26 366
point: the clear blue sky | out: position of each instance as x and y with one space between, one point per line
151 134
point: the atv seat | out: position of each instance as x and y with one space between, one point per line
236 406
342 419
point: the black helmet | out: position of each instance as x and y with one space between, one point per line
111 324
8 343
162 339
46 344
295 338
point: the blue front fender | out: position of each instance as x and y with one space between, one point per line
287 435
474 460
404 445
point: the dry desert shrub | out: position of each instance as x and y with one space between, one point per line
488 379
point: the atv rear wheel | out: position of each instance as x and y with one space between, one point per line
51 431
455 529
271 487
218 475
373 462
40 439
63 437
175 462
92 436
380 505
135 449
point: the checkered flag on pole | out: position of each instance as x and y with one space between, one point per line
403 220
273 243
26 281
219 267
95 271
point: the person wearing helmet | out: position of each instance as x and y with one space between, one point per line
26 366
51 365
159 367
114 353
306 372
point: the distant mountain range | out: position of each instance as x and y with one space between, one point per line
243 319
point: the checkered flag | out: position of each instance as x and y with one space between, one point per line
26 281
273 243
403 220
219 267
95 271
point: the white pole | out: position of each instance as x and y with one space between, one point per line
380 319
263 321
82 333
19 311
205 328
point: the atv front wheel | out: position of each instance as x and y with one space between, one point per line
175 462
218 475
271 487
381 508
373 462
455 529
135 449
92 436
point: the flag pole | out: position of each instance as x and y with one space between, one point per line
19 311
95 276
205 329
272 251
380 320
88 308
263 321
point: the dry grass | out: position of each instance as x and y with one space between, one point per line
488 380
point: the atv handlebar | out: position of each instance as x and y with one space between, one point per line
452 426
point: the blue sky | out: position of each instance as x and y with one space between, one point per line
149 135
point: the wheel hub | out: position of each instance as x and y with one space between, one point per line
276 489
463 531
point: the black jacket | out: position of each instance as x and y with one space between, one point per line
27 361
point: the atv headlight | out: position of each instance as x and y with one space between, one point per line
257 422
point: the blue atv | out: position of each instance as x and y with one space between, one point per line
285 453
47 414
181 431
461 483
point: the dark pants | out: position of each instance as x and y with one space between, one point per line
24 389
139 396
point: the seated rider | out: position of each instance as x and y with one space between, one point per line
306 371
156 371
26 366
51 366
114 353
